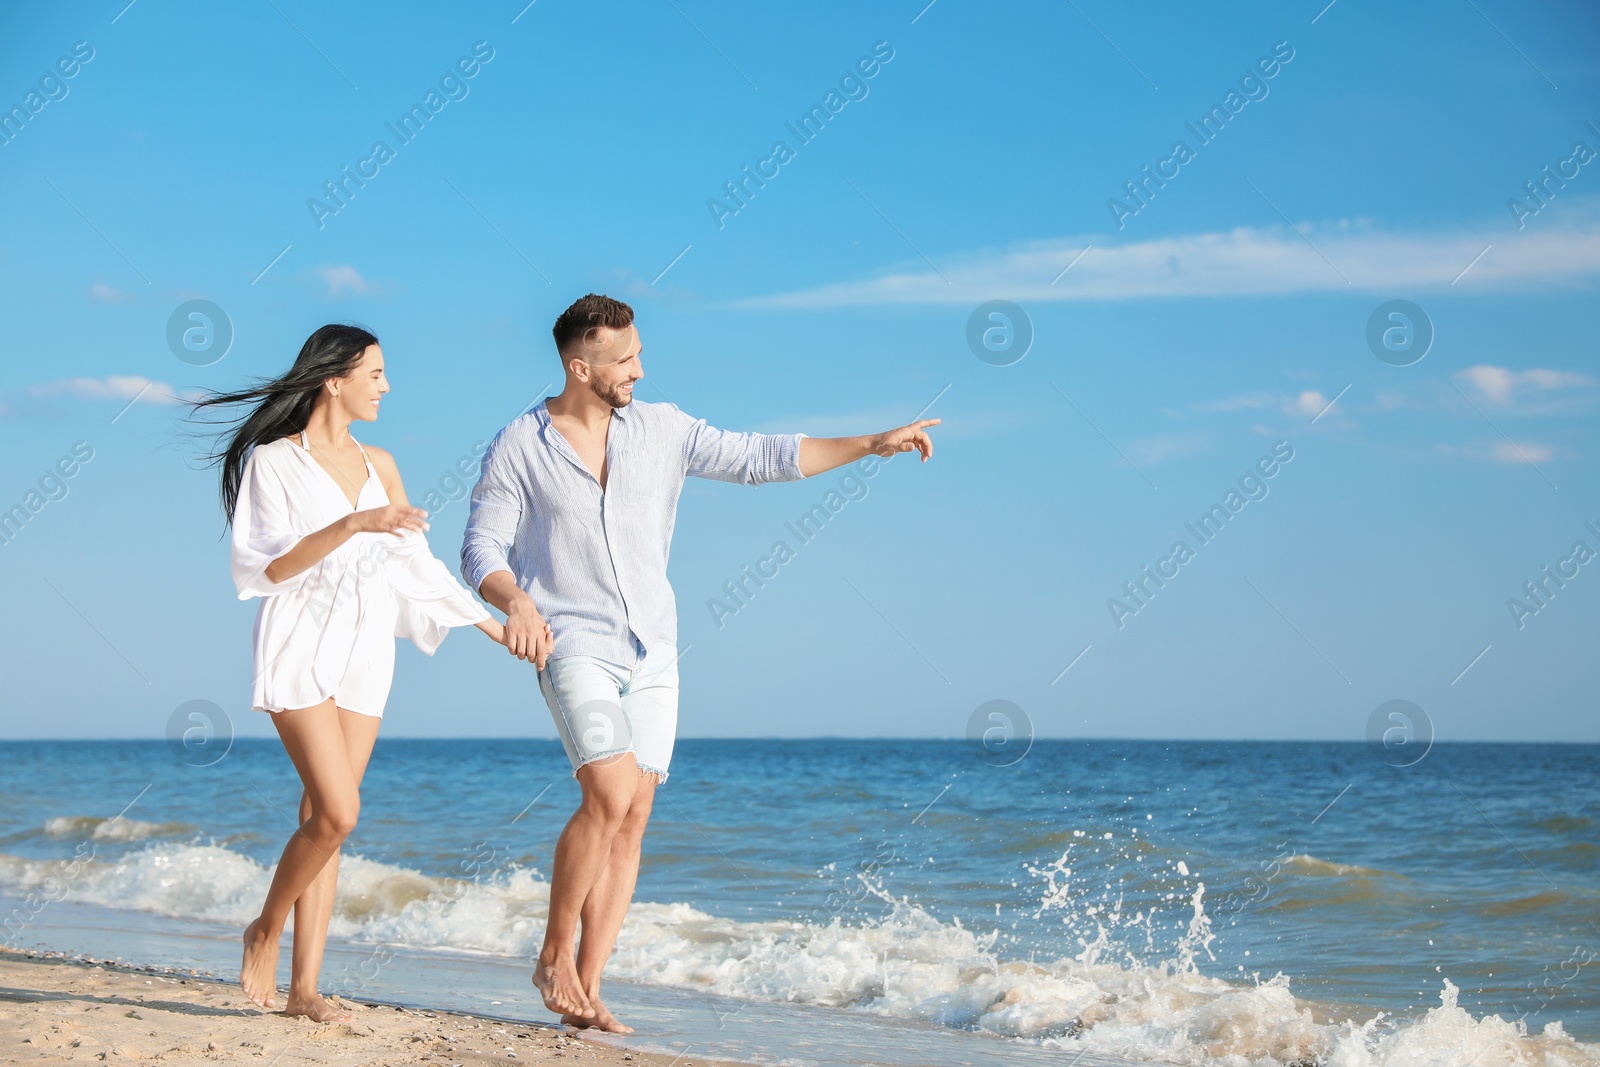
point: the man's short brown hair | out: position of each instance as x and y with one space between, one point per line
587 314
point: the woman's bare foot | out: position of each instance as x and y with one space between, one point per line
556 978
602 1019
317 1008
258 974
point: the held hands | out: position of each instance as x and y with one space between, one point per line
528 637
906 439
540 644
391 519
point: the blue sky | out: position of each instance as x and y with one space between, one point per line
1176 341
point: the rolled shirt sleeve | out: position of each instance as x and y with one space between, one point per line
262 532
745 458
496 515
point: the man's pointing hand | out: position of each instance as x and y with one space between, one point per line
906 439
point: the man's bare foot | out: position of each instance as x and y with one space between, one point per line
258 974
601 1019
556 978
317 1008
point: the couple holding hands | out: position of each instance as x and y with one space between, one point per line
569 534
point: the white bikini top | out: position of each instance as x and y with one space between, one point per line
305 444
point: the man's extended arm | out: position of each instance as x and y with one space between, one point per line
756 458
819 454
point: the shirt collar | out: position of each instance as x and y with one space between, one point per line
541 414
541 411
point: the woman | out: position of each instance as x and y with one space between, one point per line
324 535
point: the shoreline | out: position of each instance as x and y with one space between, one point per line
65 1008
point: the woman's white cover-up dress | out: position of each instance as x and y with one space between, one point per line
330 630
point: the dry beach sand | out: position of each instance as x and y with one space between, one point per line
57 1010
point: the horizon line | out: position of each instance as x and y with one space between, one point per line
836 737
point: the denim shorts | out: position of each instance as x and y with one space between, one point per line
603 709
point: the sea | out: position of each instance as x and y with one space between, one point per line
896 902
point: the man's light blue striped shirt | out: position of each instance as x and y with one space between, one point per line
595 562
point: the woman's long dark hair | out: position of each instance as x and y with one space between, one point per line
282 406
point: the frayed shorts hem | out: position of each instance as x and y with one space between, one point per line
599 757
659 774
602 710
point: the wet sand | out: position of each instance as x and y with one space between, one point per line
68 1010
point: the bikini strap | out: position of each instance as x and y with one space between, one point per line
305 444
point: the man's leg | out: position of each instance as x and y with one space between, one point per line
650 706
607 906
582 854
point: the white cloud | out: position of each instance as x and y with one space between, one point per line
1391 401
1502 385
1244 261
342 279
1310 403
1307 402
1521 452
1503 450
115 387
105 294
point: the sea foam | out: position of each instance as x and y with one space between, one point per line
902 962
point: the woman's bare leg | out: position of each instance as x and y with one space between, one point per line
316 744
314 909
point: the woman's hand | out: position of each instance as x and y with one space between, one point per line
390 519
496 632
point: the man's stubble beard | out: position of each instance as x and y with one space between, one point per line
612 395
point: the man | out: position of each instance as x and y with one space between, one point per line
570 529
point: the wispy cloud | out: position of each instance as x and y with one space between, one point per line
1307 402
1503 450
1503 386
1310 403
1522 452
115 387
1391 401
1245 261
106 294
341 279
